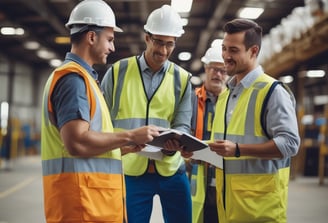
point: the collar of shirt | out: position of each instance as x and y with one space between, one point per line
247 81
79 60
211 97
145 69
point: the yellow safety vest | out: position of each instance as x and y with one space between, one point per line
80 189
198 178
249 189
198 189
131 109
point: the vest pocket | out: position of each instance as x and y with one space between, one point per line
254 197
102 197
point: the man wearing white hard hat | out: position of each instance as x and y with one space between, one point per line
150 89
203 191
81 160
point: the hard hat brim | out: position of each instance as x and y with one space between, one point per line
118 29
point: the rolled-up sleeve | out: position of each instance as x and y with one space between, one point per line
282 121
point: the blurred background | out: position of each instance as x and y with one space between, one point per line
34 40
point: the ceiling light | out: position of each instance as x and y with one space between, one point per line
55 62
315 73
286 79
184 56
12 31
19 31
250 12
31 45
7 31
320 99
62 40
181 6
45 54
196 65
195 80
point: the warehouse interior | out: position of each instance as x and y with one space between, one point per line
34 40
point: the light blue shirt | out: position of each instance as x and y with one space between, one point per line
281 119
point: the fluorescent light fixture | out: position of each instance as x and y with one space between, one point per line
307 120
62 40
250 12
10 31
45 54
4 116
31 45
184 56
181 6
19 31
7 31
55 62
195 80
315 73
320 99
287 79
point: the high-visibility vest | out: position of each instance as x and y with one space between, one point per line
249 189
80 189
131 109
198 174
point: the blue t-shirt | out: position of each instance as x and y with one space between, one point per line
69 97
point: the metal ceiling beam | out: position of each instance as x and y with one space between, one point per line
212 25
41 8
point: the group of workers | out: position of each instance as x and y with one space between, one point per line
92 133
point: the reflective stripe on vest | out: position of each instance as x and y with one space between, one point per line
198 190
264 181
132 109
83 189
76 165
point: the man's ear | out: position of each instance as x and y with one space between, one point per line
255 50
91 36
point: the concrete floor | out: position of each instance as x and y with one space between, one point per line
21 196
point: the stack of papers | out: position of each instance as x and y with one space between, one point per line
200 149
189 142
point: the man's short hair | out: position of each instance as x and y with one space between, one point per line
253 32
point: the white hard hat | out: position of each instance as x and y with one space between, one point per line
213 54
92 12
217 43
164 21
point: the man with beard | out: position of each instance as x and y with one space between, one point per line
81 161
257 134
150 89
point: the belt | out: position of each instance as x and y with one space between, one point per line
211 174
212 183
151 166
192 161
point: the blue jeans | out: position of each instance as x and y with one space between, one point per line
174 193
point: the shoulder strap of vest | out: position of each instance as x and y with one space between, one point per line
266 100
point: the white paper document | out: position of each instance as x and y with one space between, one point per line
208 156
152 152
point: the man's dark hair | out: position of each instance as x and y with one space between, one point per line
77 37
253 32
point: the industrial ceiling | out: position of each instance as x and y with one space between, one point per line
43 21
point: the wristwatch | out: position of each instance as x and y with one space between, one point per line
237 151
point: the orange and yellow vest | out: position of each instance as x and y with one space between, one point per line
249 189
80 189
198 178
